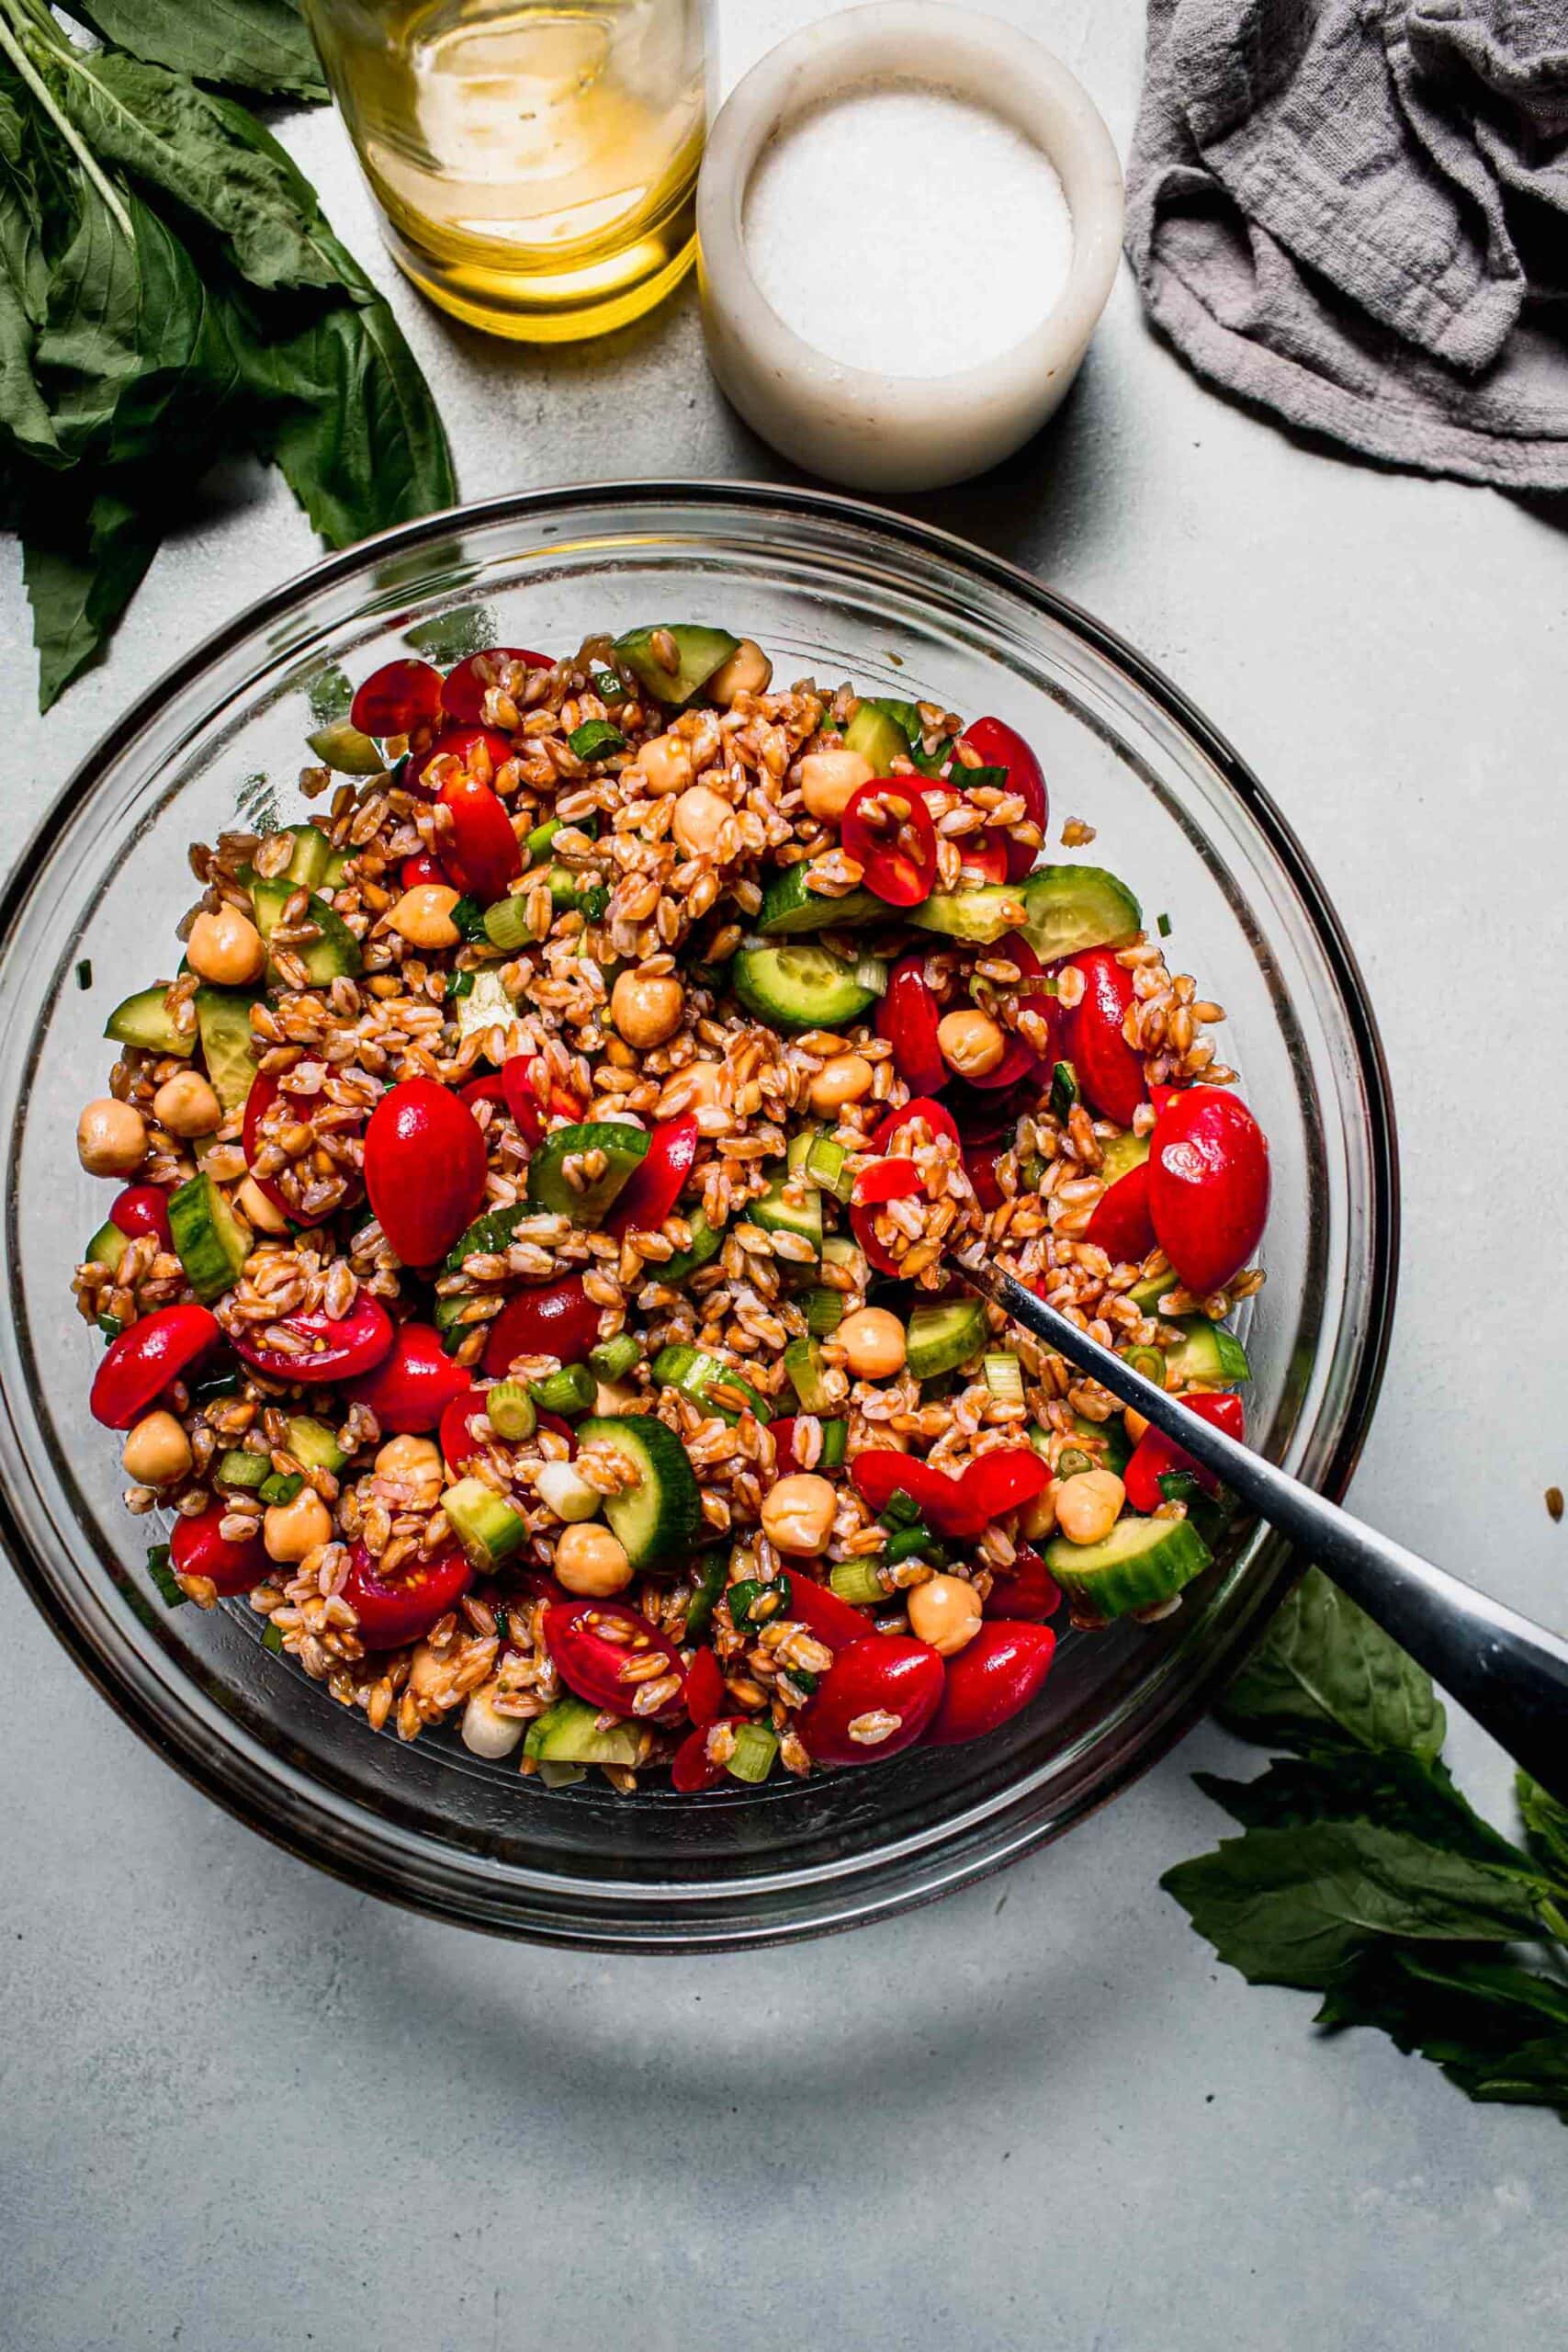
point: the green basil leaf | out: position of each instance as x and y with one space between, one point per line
247 44
79 580
1393 1788
1480 2020
1546 1826
1326 1676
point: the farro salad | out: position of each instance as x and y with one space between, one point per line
531 1288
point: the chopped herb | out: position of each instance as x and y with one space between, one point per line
707 1586
84 973
282 1487
459 984
754 1603
932 762
1179 1487
608 685
162 1577
1162 924
1064 1091
595 740
899 1510
469 918
982 779
108 1326
272 1639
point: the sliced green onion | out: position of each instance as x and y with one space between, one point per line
799 1680
899 1510
281 1489
803 1362
871 972
539 839
223 1382
556 1775
1162 924
756 1745
461 983
915 1543
1149 1361
1072 1459
272 1638
609 685
238 1468
1064 1091
857 1581
1004 1378
825 1166
469 918
982 779
595 740
84 973
163 1576
1179 1487
109 1327
824 1312
570 1390
613 1358
755 1602
708 1584
510 1410
573 895
835 1439
932 762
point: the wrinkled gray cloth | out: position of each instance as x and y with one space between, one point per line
1356 213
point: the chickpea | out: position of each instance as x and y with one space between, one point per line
590 1560
265 1215
846 1079
1088 1505
798 1514
413 1462
187 1105
290 1530
423 915
699 820
830 779
647 1010
695 1087
428 1670
747 672
873 1343
484 1732
970 1041
944 1613
111 1138
226 948
157 1451
665 765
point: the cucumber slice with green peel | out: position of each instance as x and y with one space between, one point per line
1060 910
791 1203
107 1246
486 1526
1120 1154
799 986
659 1519
696 1374
309 863
1107 1441
223 1025
245 1472
569 1733
144 1020
699 652
789 907
944 1333
1208 1354
803 1362
707 1241
1140 1564
449 1323
336 872
489 1237
1149 1289
312 1442
334 955
211 1243
877 735
345 750
621 1148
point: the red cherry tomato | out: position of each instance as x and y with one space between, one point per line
881 1473
332 1351
424 1168
517 1083
990 1679
592 1666
880 1674
558 1428
899 859
258 1103
416 871
657 1181
483 854
1001 746
464 689
141 1362
980 1164
403 1607
819 1608
705 1693
1020 1061
1155 1457
558 1319
783 1432
480 752
885 1179
197 1549
691 1769
1208 1185
412 1387
1031 1591
397 698
489 1089
983 856
937 1116
1162 1097
1121 1224
144 1208
907 1017
1005 1480
1109 1072
457 1441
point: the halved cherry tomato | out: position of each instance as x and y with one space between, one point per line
141 1209
980 1165
691 1769
1208 1185
397 698
705 1693
983 856
1109 1072
457 1441
517 1084
882 1674
1030 1591
1162 1097
258 1103
1121 1224
1020 1061
1005 1480
1001 746
1155 1457
332 1351
403 1607
197 1548
592 1666
937 1116
492 1088
424 1168
884 1179
558 1319
819 1608
990 1679
464 689
483 854
415 871
881 1473
657 1179
479 751
783 1435
141 1362
900 858
412 1387
907 1017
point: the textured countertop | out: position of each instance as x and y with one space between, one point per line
241 2105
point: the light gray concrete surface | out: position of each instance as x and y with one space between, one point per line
241 2105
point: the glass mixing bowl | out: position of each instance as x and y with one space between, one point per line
842 590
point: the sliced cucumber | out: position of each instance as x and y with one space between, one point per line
344 748
707 1241
1141 1562
803 1362
336 869
799 986
943 1334
696 1374
1064 909
107 1246
487 1527
788 906
1108 1441
1207 1353
249 1472
569 1733
211 1243
1149 1289
334 955
659 1519
1120 1154
312 1442
791 1204
489 1237
699 652
622 1148
144 1020
877 735
223 1022
312 852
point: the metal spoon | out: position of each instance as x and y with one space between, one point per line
1511 1675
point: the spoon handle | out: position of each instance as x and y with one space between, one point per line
1510 1674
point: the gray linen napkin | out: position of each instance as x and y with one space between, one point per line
1356 213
